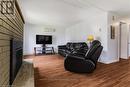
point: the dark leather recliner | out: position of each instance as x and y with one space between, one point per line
84 63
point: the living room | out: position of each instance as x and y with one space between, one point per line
65 43
73 28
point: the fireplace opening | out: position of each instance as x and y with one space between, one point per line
16 56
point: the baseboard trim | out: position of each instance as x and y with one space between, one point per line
110 61
125 58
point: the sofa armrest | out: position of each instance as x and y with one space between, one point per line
78 64
81 58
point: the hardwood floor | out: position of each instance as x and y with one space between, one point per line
49 72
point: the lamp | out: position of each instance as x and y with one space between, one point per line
90 38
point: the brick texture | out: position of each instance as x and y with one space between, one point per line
10 27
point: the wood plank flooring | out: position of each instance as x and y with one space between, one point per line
49 72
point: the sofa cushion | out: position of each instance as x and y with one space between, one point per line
68 45
73 46
68 51
77 45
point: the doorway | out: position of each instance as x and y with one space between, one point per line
123 51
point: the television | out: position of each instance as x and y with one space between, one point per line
43 39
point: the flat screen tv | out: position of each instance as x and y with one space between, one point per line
43 39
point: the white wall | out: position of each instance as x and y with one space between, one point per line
30 37
96 26
99 26
112 54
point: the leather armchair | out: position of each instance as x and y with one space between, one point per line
84 63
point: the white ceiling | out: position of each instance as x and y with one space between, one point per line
68 12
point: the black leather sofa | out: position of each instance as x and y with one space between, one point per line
86 63
71 47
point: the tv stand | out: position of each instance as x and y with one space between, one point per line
43 50
43 45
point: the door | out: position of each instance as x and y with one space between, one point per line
129 41
123 40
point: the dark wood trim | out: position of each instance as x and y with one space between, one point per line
19 10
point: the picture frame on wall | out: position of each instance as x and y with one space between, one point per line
112 32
